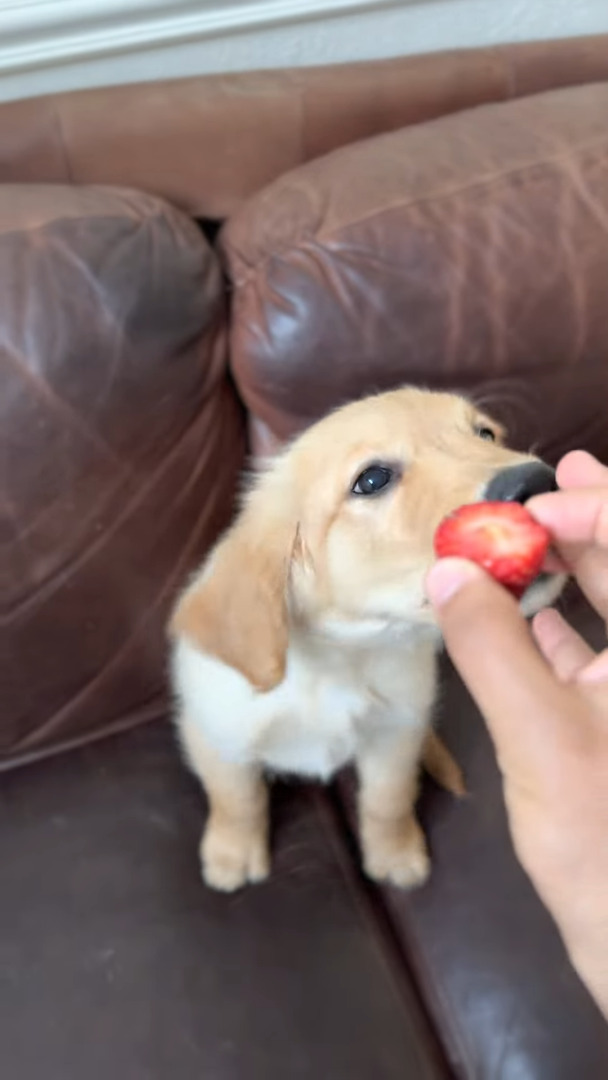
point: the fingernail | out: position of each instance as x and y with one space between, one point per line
447 577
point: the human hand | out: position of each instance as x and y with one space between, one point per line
544 695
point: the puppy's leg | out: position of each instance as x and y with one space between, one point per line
394 848
234 846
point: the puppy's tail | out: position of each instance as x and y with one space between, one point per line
442 767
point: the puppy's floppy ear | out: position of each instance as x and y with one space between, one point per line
237 611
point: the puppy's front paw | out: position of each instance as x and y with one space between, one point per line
397 854
233 856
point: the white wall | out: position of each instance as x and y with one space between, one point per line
48 45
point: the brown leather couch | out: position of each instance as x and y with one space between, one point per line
439 220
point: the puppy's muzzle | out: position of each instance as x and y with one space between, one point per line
519 483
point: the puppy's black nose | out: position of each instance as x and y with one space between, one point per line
520 482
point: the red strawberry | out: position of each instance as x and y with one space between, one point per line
503 537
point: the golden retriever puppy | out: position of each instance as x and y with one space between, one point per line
305 641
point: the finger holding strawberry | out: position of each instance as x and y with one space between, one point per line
546 707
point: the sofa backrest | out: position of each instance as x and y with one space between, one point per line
467 253
206 144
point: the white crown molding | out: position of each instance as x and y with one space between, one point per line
36 34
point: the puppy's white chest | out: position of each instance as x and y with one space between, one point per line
317 734
313 722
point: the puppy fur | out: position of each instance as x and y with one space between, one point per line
305 641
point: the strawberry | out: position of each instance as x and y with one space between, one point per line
503 537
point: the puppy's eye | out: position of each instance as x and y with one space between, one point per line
372 480
485 433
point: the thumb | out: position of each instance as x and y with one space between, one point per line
489 642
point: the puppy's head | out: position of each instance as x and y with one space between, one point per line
376 479
338 536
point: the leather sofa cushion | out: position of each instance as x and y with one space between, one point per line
469 252
120 443
120 963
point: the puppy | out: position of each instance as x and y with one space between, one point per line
305 641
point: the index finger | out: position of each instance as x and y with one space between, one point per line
580 469
578 521
575 516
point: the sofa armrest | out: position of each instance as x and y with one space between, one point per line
121 440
